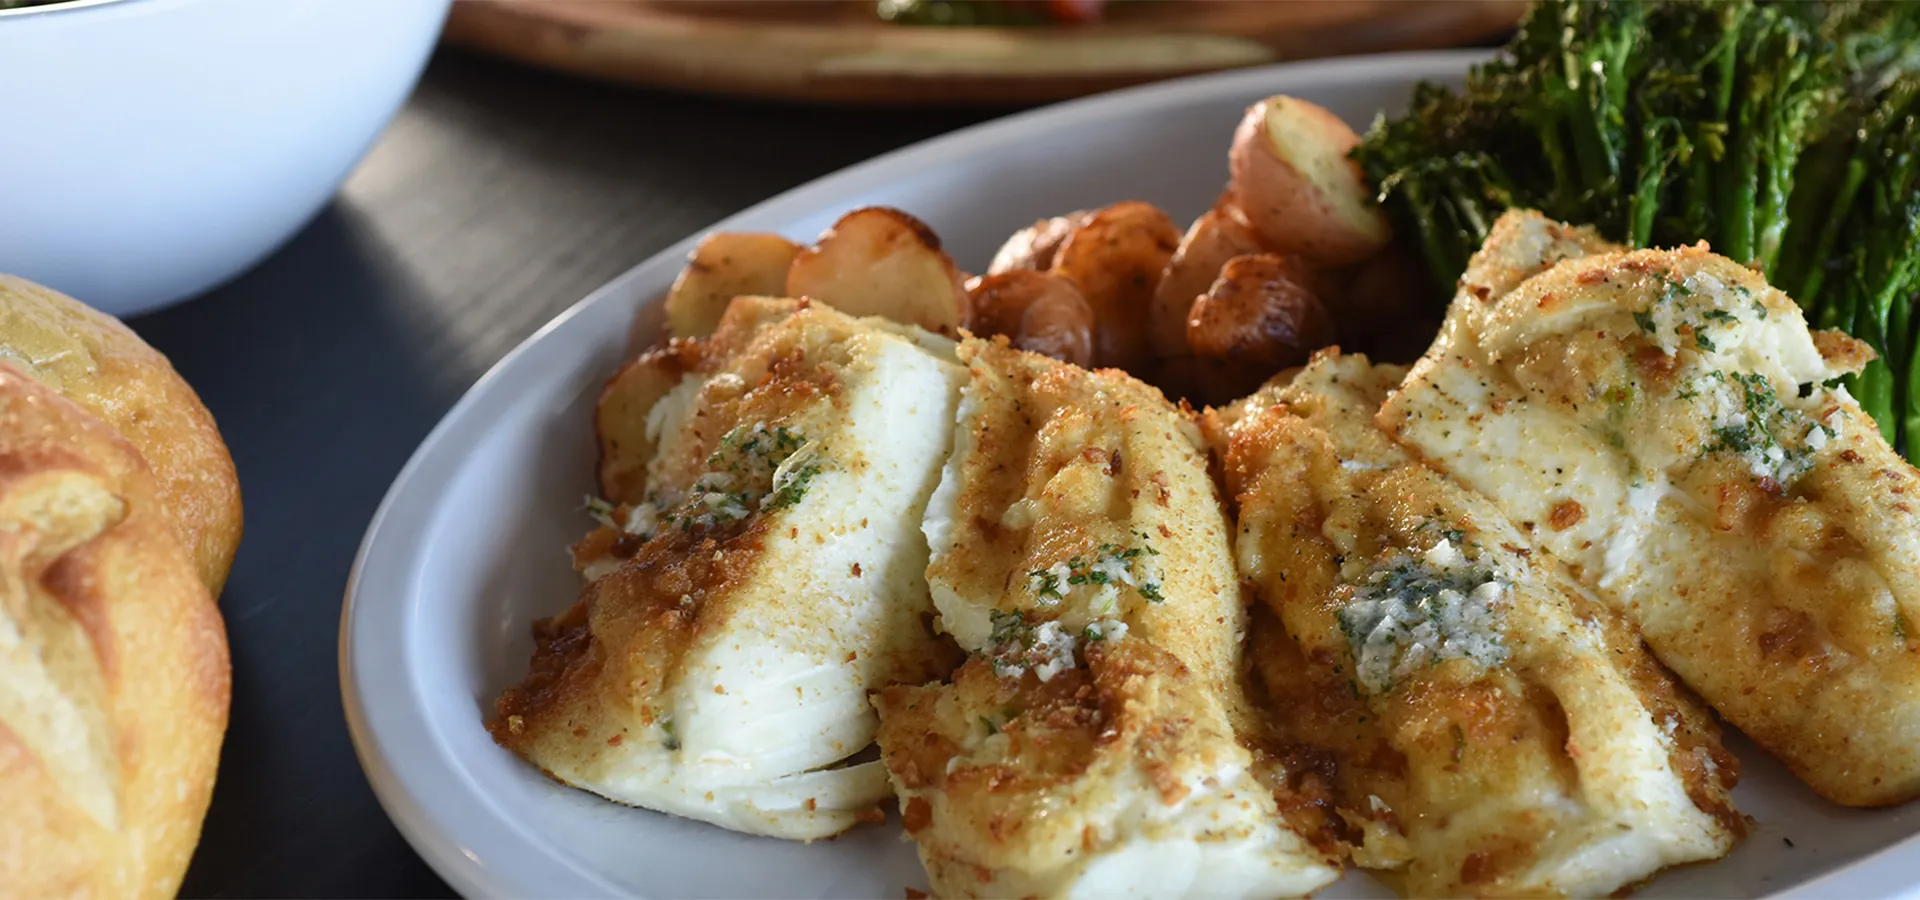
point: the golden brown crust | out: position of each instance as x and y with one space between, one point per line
762 560
1842 351
633 621
1067 741
113 662
1680 403
1065 460
1079 553
106 369
1437 769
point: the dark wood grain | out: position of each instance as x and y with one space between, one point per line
499 197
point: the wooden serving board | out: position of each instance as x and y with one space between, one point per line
838 51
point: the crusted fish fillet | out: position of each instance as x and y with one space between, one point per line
1661 422
1088 748
718 663
1478 727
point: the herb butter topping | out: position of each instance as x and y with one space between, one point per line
753 468
1749 422
1111 567
1018 646
1411 611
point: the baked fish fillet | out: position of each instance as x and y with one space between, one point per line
718 663
1476 725
1661 422
1088 748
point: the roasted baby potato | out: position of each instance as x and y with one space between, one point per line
1034 246
726 265
1039 311
1262 311
620 418
1217 236
878 261
1300 192
1116 259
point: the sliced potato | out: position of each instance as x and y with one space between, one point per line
726 265
1038 311
1262 311
1301 193
1214 238
620 417
1034 246
878 261
1116 258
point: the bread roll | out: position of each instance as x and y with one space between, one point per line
113 663
104 367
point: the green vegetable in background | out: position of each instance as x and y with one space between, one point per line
1782 133
989 13
959 13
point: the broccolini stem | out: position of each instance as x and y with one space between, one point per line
1440 241
1910 413
1737 183
1836 217
1712 129
1658 151
1791 108
1873 387
1836 308
1899 355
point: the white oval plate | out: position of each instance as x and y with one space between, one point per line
468 547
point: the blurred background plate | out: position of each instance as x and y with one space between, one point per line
840 51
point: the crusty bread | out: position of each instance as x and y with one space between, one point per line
104 367
113 663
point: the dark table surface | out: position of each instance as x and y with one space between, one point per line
498 198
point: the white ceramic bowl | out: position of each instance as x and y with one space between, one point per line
466 550
152 149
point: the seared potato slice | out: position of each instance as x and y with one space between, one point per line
1300 192
620 418
1039 311
1217 236
726 265
878 261
1034 246
1116 259
1261 310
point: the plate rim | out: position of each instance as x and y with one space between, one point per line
447 846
